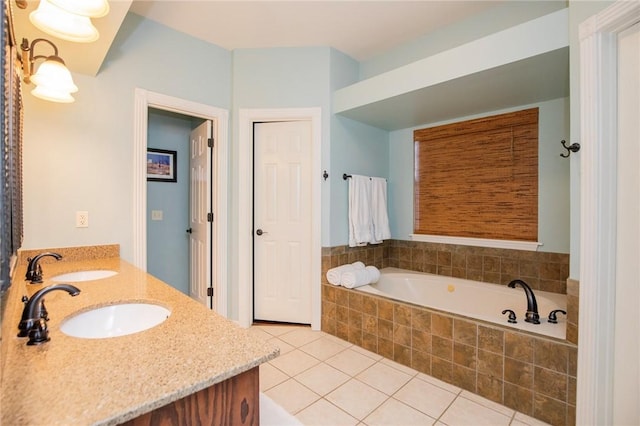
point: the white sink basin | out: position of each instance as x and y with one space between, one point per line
115 320
74 277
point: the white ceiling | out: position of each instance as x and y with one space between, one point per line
360 28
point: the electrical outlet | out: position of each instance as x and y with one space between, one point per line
156 214
82 219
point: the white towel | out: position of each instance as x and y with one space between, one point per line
379 216
334 275
359 211
374 274
356 278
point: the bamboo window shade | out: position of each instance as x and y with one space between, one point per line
478 178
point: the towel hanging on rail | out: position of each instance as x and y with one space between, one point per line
360 224
379 216
368 218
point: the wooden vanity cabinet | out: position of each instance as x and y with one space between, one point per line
232 402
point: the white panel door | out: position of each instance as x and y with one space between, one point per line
199 207
282 221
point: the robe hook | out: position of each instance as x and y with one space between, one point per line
574 147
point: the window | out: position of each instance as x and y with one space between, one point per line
478 178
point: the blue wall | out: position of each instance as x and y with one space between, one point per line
355 148
79 156
167 241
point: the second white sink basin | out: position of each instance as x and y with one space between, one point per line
74 277
115 320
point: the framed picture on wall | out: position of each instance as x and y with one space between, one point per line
161 165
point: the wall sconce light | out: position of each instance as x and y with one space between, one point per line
69 19
53 80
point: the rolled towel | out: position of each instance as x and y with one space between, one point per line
334 275
374 274
356 278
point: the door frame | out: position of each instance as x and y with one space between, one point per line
246 119
598 198
145 99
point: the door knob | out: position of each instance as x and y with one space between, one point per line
190 230
260 232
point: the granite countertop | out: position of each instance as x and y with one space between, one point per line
108 381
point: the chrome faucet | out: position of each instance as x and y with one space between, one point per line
532 315
34 315
34 270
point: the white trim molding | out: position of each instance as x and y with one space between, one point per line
477 242
145 99
246 119
598 197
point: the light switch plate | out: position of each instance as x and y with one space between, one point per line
156 214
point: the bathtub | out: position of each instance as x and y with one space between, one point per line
472 299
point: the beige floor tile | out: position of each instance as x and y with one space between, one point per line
284 347
464 412
322 348
398 366
350 362
272 414
522 419
439 383
292 396
270 376
394 413
356 398
367 353
488 403
425 397
257 331
323 413
294 362
278 330
322 378
301 336
338 340
384 378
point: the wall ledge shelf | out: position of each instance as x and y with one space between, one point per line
521 65
477 242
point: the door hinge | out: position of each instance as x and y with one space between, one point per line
209 217
210 291
210 143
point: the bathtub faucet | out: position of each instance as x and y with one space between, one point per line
532 315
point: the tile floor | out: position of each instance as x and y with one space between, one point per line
323 380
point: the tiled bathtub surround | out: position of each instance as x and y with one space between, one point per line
541 270
531 374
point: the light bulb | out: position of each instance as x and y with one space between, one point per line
89 8
53 81
52 95
62 24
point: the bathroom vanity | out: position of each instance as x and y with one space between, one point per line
195 367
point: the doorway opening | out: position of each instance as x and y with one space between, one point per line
143 101
247 120
168 199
